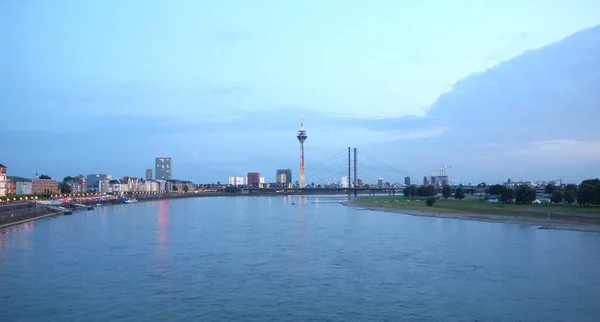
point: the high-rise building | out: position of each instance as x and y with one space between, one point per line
301 138
380 183
284 176
236 181
261 180
407 181
148 174
425 180
2 180
163 168
253 179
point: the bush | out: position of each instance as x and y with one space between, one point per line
430 201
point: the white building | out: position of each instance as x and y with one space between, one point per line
148 186
239 181
261 180
236 181
104 186
344 182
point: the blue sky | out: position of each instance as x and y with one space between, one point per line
105 86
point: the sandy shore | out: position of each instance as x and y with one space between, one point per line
506 219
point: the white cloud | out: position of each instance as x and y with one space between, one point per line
560 151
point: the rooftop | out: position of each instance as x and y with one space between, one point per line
2 166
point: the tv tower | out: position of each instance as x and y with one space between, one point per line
301 138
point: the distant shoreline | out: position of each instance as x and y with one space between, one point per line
553 224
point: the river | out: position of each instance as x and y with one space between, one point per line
291 259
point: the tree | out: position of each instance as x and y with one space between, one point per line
186 188
446 192
406 191
175 188
550 188
482 185
414 190
428 191
507 195
65 188
459 193
571 186
43 176
219 183
430 201
525 194
569 196
495 190
68 178
557 196
589 192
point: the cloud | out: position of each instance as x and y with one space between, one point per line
560 151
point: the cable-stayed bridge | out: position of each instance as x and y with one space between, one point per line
349 171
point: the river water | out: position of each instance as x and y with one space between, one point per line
291 259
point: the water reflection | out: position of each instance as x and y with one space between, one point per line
7 233
163 221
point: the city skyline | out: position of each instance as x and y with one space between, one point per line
219 92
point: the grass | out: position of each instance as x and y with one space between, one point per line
475 206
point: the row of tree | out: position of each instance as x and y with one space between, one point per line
422 191
587 193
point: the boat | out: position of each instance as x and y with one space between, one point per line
90 208
68 212
131 201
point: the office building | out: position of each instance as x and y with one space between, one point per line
253 179
380 183
284 176
2 180
407 181
261 180
232 181
163 169
148 174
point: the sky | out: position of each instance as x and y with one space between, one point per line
220 86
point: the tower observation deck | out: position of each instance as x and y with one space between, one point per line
301 138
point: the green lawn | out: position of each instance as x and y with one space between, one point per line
476 206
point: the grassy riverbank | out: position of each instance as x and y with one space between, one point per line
561 216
